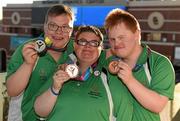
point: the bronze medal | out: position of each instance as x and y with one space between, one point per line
113 67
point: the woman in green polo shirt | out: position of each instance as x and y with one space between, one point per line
85 97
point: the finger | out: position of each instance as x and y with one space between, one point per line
123 65
32 54
29 51
62 73
29 45
60 80
119 75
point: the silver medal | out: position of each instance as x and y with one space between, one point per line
72 70
40 46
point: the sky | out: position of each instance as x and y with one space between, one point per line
4 2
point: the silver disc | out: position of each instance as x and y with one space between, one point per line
40 46
72 70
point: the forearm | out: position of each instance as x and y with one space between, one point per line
18 81
149 99
44 103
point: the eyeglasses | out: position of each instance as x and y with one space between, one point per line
55 27
83 42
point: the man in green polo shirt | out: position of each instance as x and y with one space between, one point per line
148 75
29 68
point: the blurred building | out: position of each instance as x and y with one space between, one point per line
24 21
16 23
159 21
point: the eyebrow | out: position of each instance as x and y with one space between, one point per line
52 22
89 40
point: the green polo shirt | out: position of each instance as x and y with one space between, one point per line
44 69
162 81
88 101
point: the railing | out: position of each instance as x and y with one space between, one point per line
3 94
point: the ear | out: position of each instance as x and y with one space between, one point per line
74 45
45 28
110 42
138 35
101 47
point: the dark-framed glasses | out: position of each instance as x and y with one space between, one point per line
83 42
55 27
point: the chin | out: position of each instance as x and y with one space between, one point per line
59 45
87 60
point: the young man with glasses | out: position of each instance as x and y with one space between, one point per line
85 97
28 70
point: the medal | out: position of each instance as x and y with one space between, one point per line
113 67
40 46
72 70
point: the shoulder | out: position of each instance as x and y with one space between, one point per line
158 58
160 64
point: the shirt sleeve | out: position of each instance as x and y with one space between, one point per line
163 77
15 61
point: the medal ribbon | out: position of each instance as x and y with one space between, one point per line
86 75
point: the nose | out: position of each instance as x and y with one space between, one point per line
59 30
88 45
117 42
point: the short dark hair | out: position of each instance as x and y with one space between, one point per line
58 10
92 29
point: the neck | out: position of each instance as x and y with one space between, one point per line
132 59
83 67
56 55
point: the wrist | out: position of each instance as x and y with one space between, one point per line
27 65
130 82
54 91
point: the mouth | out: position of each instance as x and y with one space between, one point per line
118 48
57 38
87 52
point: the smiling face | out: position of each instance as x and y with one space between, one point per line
124 34
123 41
59 37
87 53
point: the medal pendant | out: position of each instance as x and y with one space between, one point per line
113 67
40 46
72 70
